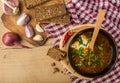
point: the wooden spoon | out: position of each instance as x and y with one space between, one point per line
98 24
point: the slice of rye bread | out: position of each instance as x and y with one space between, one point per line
64 19
56 54
47 12
32 3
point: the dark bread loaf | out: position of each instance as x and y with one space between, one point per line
47 12
56 54
64 19
32 3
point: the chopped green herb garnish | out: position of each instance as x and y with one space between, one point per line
100 48
89 63
91 55
73 56
78 64
80 40
94 66
82 58
96 58
85 62
88 42
90 36
80 51
101 62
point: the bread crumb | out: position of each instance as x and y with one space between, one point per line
53 64
56 70
61 71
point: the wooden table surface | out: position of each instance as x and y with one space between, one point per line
27 65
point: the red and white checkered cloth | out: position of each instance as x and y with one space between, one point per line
85 11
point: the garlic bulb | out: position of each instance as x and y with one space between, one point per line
10 7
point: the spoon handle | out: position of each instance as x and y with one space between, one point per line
98 24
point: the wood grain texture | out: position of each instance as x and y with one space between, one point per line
29 66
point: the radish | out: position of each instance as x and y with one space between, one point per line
12 39
10 7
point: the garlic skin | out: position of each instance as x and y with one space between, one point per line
38 28
10 7
15 10
29 32
37 38
23 19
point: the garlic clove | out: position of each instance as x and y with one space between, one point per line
29 32
23 19
37 38
38 28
